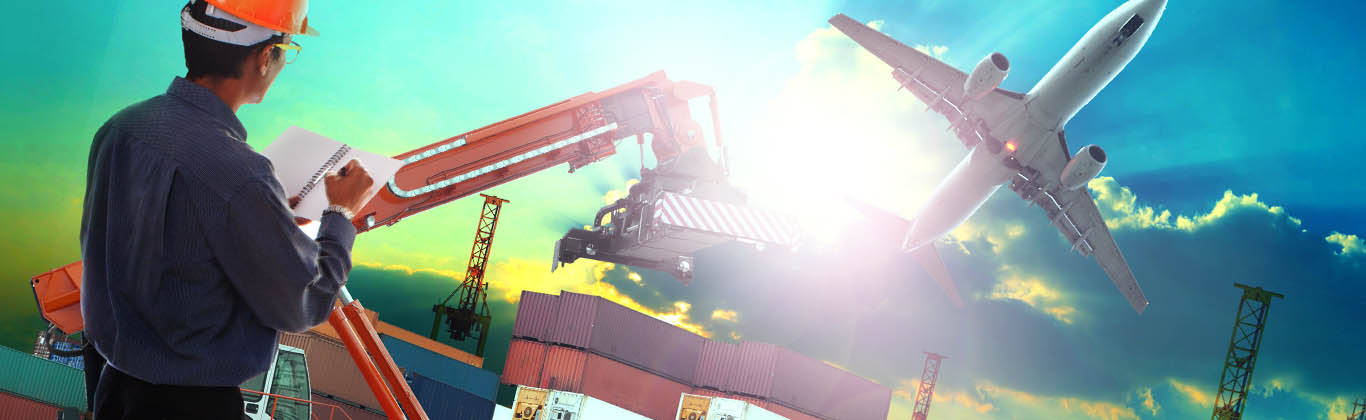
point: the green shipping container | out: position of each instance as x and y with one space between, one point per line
41 380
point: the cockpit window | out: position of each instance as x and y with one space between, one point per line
1131 26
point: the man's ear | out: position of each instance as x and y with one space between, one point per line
263 61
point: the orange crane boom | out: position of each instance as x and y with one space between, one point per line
578 131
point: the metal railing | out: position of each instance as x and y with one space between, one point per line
333 409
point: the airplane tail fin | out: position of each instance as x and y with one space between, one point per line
927 255
929 258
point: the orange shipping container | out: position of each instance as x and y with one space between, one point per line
636 390
714 393
331 372
14 407
524 362
343 410
563 369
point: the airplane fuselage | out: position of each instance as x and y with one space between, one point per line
1086 69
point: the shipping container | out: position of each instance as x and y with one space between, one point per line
535 315
502 413
630 388
804 383
41 380
445 402
728 409
714 394
524 362
788 412
753 374
387 329
563 369
543 404
16 407
441 368
639 340
333 409
693 407
574 319
715 365
331 371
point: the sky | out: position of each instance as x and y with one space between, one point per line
1231 136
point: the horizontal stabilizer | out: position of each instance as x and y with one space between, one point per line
929 258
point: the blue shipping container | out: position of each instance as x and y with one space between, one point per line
445 402
433 365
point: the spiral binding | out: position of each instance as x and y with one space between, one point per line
318 176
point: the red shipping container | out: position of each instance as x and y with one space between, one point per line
804 383
343 411
524 362
788 412
639 340
563 369
331 371
753 374
15 407
714 393
573 324
716 364
633 389
856 398
535 315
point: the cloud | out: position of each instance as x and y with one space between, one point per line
1033 292
1121 210
1192 393
1351 244
1146 400
725 315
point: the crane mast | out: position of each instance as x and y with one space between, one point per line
472 307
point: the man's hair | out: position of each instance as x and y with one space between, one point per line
205 57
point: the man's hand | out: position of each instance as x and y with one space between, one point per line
347 187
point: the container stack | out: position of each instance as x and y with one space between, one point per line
699 407
37 388
447 382
586 344
531 403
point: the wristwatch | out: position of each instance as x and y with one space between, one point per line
339 210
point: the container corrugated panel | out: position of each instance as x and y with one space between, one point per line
524 362
573 324
352 411
15 407
753 374
445 402
563 369
788 412
439 367
714 393
331 372
639 340
429 344
41 380
630 388
856 398
535 315
715 365
802 382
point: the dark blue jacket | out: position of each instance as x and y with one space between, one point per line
192 258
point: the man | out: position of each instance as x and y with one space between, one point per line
193 261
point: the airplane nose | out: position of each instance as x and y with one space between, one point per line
1152 8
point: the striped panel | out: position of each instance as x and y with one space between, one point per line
718 217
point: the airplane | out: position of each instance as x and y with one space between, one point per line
1018 138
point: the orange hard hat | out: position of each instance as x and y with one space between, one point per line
288 16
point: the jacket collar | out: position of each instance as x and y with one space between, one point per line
206 100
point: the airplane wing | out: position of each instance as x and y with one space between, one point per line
1075 215
937 84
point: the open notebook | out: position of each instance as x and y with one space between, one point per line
301 159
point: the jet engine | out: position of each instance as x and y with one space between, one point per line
1083 167
987 76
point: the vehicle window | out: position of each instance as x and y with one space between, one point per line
257 383
291 380
1131 26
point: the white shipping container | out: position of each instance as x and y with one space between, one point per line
697 407
502 413
543 404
